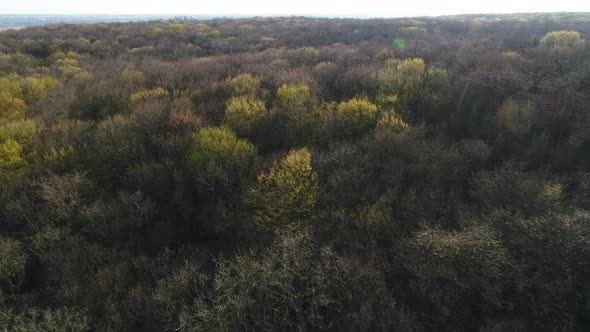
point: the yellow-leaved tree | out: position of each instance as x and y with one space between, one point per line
287 194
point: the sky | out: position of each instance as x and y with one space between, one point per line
355 8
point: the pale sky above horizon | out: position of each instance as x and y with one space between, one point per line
358 8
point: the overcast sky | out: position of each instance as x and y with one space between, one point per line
371 8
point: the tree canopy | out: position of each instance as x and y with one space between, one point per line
296 173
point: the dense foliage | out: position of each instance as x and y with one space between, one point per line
297 174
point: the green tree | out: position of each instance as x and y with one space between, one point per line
355 117
244 85
24 131
294 98
37 88
305 56
11 85
241 112
562 41
287 193
176 27
392 122
296 106
220 145
218 165
11 160
403 79
11 107
148 94
563 48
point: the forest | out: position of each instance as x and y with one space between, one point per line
297 174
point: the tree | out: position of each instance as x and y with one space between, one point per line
355 117
551 251
403 80
448 267
516 117
305 56
12 261
148 94
562 41
57 319
510 188
244 85
11 85
23 131
294 98
37 88
241 112
117 147
296 105
218 166
286 195
11 107
392 122
11 160
292 285
220 145
563 48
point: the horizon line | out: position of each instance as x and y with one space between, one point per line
292 15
